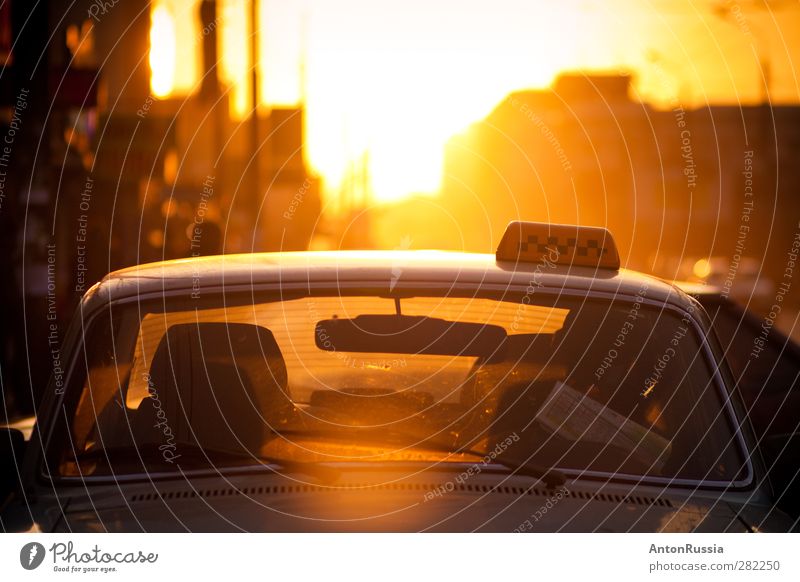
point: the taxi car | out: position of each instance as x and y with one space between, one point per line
542 388
765 364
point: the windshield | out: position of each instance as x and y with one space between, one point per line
616 387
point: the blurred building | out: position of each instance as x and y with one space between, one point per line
107 174
670 184
291 200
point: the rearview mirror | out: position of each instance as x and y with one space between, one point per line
403 334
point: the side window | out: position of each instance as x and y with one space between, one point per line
97 386
767 377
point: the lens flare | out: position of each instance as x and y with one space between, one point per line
702 268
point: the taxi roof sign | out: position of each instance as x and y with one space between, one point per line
563 244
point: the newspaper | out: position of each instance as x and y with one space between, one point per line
576 417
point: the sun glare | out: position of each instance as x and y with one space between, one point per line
420 82
162 52
377 120
391 106
234 55
385 88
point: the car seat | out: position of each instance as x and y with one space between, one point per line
217 385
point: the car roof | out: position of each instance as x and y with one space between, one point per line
373 268
699 288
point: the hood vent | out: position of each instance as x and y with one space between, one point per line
421 487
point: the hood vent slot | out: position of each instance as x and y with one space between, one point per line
299 488
629 499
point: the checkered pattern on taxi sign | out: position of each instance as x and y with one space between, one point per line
563 246
577 246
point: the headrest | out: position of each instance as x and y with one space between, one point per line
220 385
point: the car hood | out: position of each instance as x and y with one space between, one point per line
389 502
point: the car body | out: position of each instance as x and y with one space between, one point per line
765 364
395 391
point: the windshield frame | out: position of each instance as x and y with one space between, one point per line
241 294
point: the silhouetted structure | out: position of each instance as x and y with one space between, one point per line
668 183
107 175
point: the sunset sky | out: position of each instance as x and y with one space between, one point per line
400 78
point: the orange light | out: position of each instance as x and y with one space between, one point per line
162 52
702 269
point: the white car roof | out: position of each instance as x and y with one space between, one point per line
378 268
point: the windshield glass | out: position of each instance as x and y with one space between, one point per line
590 385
